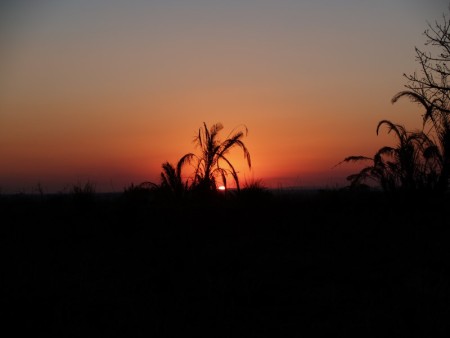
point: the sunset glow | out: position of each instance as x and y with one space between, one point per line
109 91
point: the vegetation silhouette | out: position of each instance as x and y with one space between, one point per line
83 194
325 264
171 179
331 263
421 159
408 166
211 166
212 163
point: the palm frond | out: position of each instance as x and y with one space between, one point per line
398 129
233 172
386 150
186 159
415 97
215 129
353 159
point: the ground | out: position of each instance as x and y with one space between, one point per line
264 265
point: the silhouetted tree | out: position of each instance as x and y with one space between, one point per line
430 85
430 88
212 163
421 160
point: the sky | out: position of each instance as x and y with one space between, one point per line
105 91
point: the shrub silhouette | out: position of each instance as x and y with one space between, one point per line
138 194
83 194
171 179
255 191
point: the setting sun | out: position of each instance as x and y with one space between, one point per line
221 188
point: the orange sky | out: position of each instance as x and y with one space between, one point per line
107 91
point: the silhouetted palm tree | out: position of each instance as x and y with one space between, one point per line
408 166
212 162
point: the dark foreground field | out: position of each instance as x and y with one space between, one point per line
287 265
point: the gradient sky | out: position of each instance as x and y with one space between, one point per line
108 90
